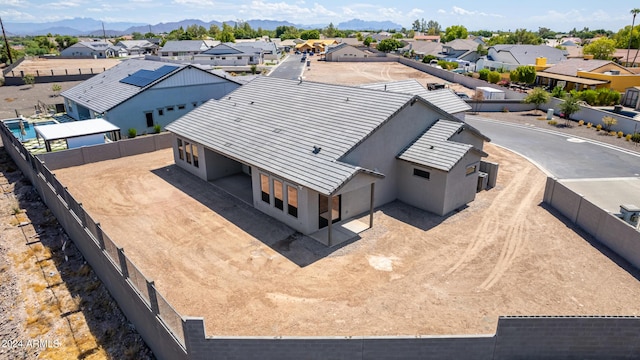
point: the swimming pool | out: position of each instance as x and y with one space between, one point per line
29 128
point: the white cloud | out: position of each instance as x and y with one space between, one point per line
15 15
63 4
460 11
442 11
194 3
15 3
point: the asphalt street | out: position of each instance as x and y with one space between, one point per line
561 155
290 69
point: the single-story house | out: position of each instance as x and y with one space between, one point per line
461 49
315 45
633 59
229 55
422 48
588 73
138 47
343 51
267 49
141 94
444 99
430 38
88 49
509 57
316 171
185 49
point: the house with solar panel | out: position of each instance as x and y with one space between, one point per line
140 94
324 172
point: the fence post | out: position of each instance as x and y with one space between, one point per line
194 336
83 219
100 237
51 72
91 70
66 72
38 73
123 263
80 71
153 300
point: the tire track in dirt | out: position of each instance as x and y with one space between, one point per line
492 224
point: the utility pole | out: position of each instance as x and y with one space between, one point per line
149 27
6 42
104 34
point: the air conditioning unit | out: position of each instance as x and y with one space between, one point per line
630 214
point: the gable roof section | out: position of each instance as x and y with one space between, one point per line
334 48
570 67
434 149
106 90
527 54
444 99
185 46
93 45
222 49
248 125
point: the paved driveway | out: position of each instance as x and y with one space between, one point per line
563 156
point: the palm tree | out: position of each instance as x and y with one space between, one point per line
633 12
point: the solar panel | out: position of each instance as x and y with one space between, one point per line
142 78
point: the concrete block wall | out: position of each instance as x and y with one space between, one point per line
89 154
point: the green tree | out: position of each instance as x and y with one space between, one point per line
455 32
310 34
214 31
493 77
149 35
65 41
388 45
330 31
416 25
601 48
359 36
226 35
368 41
397 36
433 28
526 74
633 12
546 33
569 107
427 59
29 79
537 96
136 35
523 36
411 34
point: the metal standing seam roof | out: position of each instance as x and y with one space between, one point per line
74 129
104 91
185 46
256 125
444 99
434 149
333 48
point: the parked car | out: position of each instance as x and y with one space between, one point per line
297 52
458 71
463 95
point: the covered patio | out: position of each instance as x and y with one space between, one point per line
78 133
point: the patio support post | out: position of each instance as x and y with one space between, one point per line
371 206
330 200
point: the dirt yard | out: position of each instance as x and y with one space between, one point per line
24 98
413 273
362 73
44 66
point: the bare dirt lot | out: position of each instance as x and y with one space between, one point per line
346 73
24 98
413 273
44 66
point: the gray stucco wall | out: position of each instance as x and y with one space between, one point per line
218 166
424 194
131 113
461 188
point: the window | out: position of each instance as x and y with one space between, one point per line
160 112
471 169
264 188
149 117
292 201
421 173
239 57
224 58
170 108
180 107
195 104
195 155
278 194
187 151
180 150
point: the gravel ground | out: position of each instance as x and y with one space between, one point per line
23 98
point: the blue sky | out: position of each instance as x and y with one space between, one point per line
559 15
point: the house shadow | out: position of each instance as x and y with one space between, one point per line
606 251
414 216
296 247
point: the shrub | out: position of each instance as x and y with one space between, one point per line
513 76
157 128
598 127
608 122
29 79
552 122
589 125
558 92
1 81
620 134
428 59
484 74
493 77
628 137
581 122
132 132
635 138
56 89
254 69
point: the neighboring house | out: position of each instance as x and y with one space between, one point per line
315 45
285 45
444 99
423 48
343 52
587 73
268 50
88 49
185 49
430 38
631 97
230 55
620 56
138 47
315 171
461 50
142 93
509 57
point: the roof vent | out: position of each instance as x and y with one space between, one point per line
316 149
